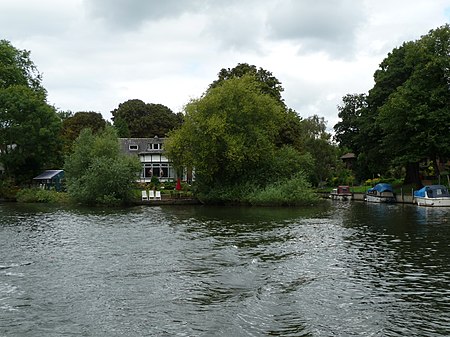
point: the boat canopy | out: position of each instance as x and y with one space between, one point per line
381 187
432 191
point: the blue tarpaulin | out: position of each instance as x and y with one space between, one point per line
433 191
381 187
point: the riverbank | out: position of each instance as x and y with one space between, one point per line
401 198
169 201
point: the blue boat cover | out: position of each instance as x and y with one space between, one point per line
433 191
381 187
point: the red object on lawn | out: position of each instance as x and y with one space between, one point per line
178 187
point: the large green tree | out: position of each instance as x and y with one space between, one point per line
406 115
137 119
230 137
416 116
29 127
97 172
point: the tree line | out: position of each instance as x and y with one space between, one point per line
404 119
240 138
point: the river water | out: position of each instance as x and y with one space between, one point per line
338 269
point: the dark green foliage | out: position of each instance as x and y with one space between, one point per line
28 125
72 126
405 118
136 119
266 82
28 133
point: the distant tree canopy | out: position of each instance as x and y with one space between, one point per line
137 119
405 118
266 82
28 125
72 126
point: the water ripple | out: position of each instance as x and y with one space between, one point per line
335 270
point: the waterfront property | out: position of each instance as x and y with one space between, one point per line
151 154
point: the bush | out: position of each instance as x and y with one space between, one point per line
98 173
291 192
40 195
8 190
287 192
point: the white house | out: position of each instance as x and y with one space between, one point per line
151 154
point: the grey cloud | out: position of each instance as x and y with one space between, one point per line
129 14
329 26
239 27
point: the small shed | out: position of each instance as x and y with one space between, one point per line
349 159
50 179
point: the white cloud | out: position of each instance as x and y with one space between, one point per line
95 54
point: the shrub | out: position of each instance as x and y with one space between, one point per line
96 171
291 192
40 195
8 190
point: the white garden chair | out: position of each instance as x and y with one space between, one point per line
144 195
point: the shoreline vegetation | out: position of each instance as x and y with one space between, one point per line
276 195
292 192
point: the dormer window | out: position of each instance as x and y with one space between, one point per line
154 146
133 147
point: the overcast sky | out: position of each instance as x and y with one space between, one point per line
95 54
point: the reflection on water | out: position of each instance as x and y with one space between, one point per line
339 269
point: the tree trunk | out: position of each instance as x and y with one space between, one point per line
437 173
412 175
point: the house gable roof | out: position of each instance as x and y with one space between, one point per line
140 145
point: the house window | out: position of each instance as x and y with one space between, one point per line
159 170
154 146
133 147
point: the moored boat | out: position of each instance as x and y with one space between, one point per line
341 193
432 195
381 192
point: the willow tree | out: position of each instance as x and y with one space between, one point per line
229 136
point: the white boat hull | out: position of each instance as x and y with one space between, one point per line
380 197
340 197
374 198
433 202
